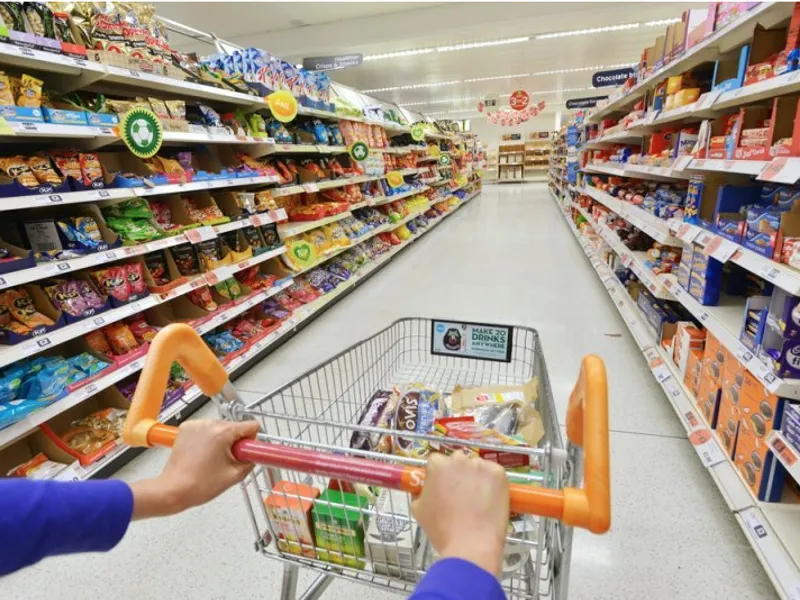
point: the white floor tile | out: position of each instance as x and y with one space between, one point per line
506 257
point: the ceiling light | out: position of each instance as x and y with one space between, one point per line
398 54
471 45
521 39
438 101
496 77
415 86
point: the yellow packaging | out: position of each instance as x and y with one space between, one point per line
336 235
6 93
687 96
30 92
669 102
674 84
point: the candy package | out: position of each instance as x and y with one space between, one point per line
157 267
255 240
319 279
135 274
208 253
302 291
43 171
120 338
30 91
80 235
87 363
163 216
47 382
133 231
271 237
185 259
201 297
336 236
418 408
286 302
378 412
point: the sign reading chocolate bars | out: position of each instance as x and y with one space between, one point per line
584 102
613 77
332 63
472 340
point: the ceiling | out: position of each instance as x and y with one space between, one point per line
293 30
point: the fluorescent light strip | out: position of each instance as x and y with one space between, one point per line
520 39
415 86
465 98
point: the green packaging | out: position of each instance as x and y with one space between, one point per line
340 528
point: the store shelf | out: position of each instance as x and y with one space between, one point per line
656 228
771 529
400 196
731 36
193 397
743 167
725 250
297 227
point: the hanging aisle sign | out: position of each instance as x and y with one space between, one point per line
332 63
584 102
519 100
444 160
141 132
612 78
395 179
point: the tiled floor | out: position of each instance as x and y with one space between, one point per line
507 257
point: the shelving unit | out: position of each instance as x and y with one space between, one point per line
460 183
624 144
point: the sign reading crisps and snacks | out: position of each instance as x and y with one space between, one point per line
472 340
141 132
283 106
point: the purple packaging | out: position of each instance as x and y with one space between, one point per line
377 413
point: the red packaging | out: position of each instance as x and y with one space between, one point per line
135 276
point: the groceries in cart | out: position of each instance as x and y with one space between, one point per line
355 525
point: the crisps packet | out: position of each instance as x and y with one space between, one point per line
30 92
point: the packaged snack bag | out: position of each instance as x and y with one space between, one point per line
417 410
113 281
378 412
30 92
43 171
6 94
185 259
90 167
223 343
87 363
38 467
21 308
335 235
17 168
68 163
157 266
98 342
208 252
201 297
120 338
135 275
318 239
142 330
74 297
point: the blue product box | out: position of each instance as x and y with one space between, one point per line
761 229
735 82
684 273
731 226
59 116
732 198
755 322
19 114
102 119
694 194
705 291
781 197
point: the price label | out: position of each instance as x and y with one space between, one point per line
781 170
705 446
70 473
217 275
769 273
259 220
27 126
707 100
133 73
651 116
721 249
27 52
310 188
103 194
98 321
50 199
744 354
80 62
681 163
59 267
88 390
201 234
787 455
159 244
691 419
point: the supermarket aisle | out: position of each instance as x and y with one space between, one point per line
506 257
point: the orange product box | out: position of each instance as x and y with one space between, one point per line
708 399
687 337
694 365
728 423
761 407
762 472
714 358
289 509
751 388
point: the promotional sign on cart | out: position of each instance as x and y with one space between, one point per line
472 340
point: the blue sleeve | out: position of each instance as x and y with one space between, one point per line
44 518
457 579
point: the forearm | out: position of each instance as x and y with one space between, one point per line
458 579
155 498
46 518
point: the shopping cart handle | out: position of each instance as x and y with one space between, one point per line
587 426
176 342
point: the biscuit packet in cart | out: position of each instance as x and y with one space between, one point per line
507 409
418 408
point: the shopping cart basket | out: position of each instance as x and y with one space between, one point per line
318 500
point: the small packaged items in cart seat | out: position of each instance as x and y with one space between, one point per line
339 527
289 510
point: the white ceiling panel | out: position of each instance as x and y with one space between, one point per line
293 30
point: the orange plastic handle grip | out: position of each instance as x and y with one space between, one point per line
176 342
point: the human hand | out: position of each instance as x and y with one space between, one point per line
464 508
200 467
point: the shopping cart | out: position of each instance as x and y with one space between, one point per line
359 528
